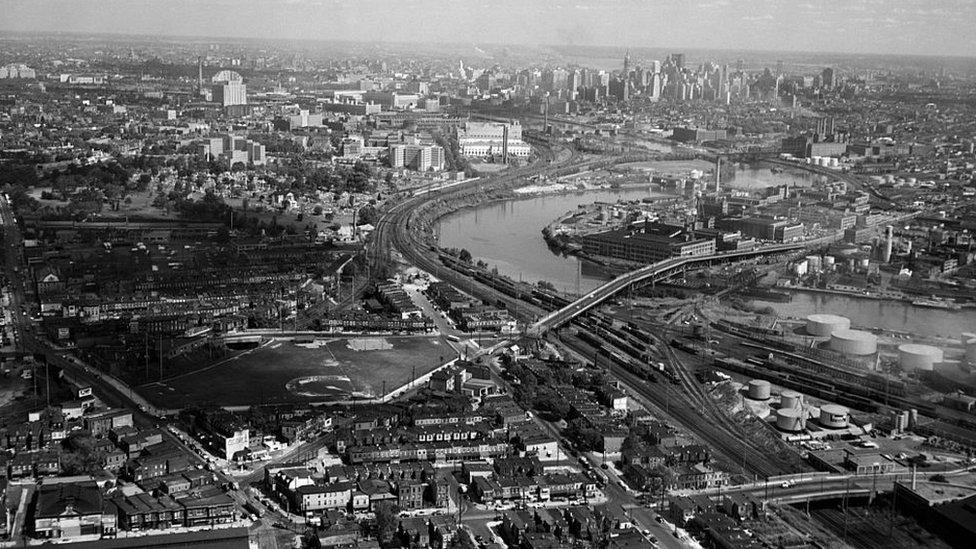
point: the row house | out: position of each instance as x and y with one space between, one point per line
143 511
208 506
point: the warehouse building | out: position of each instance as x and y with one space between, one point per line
647 243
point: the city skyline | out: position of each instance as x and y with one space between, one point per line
904 27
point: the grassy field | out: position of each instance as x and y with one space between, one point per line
282 371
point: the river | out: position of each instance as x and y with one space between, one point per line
508 235
895 316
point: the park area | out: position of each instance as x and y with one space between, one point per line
319 370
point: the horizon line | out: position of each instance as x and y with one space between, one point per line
677 49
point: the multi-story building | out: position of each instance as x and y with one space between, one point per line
228 89
644 246
73 509
232 149
418 157
492 139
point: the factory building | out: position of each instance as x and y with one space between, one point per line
697 135
492 138
647 243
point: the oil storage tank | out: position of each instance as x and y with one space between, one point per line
912 356
854 342
822 325
833 416
759 389
790 400
790 420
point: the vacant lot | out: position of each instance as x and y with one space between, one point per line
322 371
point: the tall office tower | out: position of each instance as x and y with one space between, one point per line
603 82
573 83
655 86
723 82
586 78
228 89
656 66
627 64
827 78
548 79
678 59
560 78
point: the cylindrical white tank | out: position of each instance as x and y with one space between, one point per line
759 389
813 263
790 419
822 325
854 342
833 416
790 400
912 356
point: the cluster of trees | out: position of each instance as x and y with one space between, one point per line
308 178
543 396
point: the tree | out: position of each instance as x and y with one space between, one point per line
387 521
465 256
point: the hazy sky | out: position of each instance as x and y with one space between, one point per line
855 26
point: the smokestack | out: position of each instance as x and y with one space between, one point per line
505 144
718 175
199 75
889 236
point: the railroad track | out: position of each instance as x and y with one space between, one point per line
723 443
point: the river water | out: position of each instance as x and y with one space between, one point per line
508 235
888 315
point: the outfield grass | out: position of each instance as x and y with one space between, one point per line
284 372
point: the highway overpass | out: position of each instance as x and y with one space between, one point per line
666 267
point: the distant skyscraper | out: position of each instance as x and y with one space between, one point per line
678 59
827 78
626 64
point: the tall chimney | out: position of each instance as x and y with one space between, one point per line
889 236
718 175
199 75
